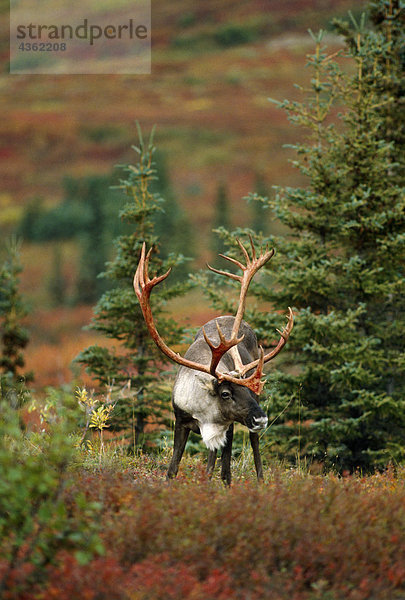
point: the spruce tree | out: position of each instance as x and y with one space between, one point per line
258 202
14 335
134 366
341 264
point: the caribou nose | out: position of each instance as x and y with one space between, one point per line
259 423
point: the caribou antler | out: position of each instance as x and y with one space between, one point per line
223 346
249 270
143 286
283 340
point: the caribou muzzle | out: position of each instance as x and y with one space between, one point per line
258 423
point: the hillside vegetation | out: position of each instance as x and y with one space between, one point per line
109 528
213 67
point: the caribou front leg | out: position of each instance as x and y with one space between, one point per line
181 434
226 457
254 442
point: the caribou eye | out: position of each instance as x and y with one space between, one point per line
226 395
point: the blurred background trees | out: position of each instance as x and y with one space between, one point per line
85 215
222 218
89 215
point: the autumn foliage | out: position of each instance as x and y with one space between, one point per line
297 537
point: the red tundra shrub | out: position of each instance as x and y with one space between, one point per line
101 579
156 578
294 538
14 580
294 532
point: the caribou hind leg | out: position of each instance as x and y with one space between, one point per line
254 442
181 434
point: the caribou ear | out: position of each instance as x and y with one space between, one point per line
208 383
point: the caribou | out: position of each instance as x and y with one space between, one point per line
220 376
